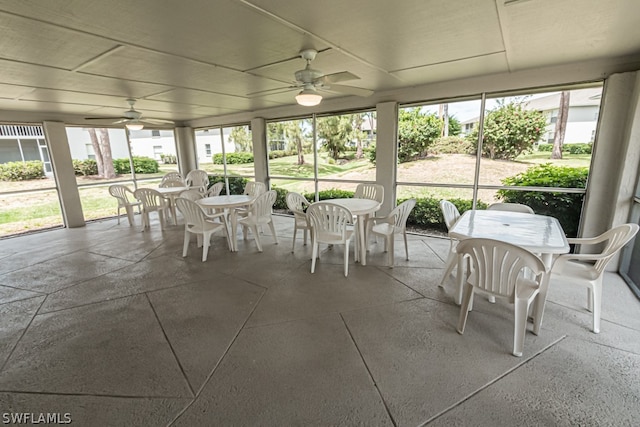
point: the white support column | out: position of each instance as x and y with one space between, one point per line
260 154
60 155
387 152
186 146
607 204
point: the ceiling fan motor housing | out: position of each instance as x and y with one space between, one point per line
308 75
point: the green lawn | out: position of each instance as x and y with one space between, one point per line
21 212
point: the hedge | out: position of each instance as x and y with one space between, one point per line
236 183
85 167
21 171
233 158
566 207
576 148
140 165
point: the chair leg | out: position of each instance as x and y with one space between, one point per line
206 241
129 211
346 258
521 311
256 236
391 254
304 236
273 231
464 308
406 244
118 214
597 305
185 247
314 255
449 264
295 231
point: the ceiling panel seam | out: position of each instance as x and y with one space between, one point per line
301 30
503 31
449 61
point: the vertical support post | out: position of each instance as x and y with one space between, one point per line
387 152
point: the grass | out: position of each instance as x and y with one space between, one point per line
22 212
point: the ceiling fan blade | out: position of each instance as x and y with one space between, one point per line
156 121
105 119
339 77
348 90
274 91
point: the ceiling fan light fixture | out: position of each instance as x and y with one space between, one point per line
308 98
134 126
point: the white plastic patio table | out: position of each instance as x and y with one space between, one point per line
171 193
228 203
360 208
540 234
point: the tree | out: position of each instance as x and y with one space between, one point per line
334 132
102 149
561 125
416 131
293 132
358 135
509 130
242 139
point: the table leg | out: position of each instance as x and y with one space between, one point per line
234 226
361 240
172 200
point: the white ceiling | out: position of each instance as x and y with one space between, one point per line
185 60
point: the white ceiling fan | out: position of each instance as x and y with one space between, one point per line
131 118
314 81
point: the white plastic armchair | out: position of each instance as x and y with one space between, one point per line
198 179
192 194
450 214
197 222
369 191
511 207
260 214
152 201
171 183
297 204
498 268
330 224
215 189
126 200
390 225
254 189
587 269
172 176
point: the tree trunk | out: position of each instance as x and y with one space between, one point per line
299 149
445 119
561 126
105 150
96 149
357 132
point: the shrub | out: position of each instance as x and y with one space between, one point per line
509 131
21 171
236 183
427 214
169 159
281 198
451 145
416 132
233 158
85 167
276 154
140 165
566 207
547 148
575 148
333 193
371 153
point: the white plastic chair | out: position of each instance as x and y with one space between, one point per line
390 225
152 201
587 269
297 204
498 268
511 207
172 183
330 224
369 191
198 179
450 214
254 189
125 197
197 222
192 194
215 189
259 214
172 176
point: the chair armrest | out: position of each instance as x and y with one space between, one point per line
215 215
559 263
586 240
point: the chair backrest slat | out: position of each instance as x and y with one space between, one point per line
449 212
370 191
330 218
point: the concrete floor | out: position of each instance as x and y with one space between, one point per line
114 327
